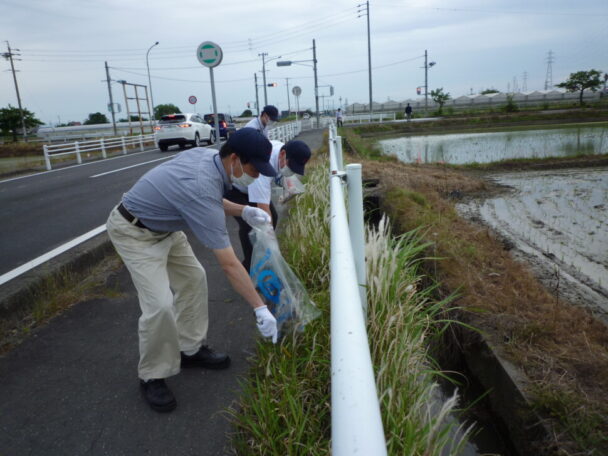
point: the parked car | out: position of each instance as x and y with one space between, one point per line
227 125
182 129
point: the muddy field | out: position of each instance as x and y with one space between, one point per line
558 222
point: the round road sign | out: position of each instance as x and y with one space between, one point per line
296 91
209 54
192 99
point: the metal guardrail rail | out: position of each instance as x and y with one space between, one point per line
98 145
355 410
375 117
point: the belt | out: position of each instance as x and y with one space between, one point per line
130 217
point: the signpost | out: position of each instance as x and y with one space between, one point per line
192 101
297 91
210 55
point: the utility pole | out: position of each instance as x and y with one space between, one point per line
525 83
426 83
263 55
369 51
111 99
288 102
314 62
257 100
9 56
549 75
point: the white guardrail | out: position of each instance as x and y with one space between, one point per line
375 117
98 145
285 132
355 410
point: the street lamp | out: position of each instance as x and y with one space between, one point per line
150 82
314 62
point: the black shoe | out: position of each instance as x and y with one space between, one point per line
158 395
206 357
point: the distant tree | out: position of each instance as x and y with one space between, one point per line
489 91
165 109
440 97
96 118
580 81
511 106
10 121
247 113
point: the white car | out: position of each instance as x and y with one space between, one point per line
181 129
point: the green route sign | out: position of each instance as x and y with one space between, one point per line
209 54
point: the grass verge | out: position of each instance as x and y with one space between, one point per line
285 408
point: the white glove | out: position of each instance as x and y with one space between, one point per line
266 322
255 216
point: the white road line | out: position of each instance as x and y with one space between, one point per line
75 166
128 167
49 255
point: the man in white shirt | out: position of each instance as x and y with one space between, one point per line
287 160
269 114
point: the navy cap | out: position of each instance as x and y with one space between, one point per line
253 147
272 112
298 154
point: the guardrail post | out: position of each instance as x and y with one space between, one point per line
47 160
124 146
339 158
141 143
103 148
357 227
77 149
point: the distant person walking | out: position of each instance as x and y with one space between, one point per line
339 117
408 112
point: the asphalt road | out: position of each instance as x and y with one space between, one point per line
43 211
71 387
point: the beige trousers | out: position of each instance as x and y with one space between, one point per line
172 290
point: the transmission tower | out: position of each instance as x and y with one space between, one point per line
525 82
549 76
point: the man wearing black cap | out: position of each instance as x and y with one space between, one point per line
269 114
287 159
146 230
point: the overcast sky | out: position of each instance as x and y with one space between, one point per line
476 44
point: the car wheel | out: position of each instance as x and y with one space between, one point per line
211 139
181 146
197 140
163 147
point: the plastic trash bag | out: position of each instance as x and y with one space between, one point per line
281 290
291 187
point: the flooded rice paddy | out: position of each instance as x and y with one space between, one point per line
465 148
559 220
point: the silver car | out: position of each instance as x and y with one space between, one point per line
182 129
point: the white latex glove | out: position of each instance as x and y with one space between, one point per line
255 216
266 322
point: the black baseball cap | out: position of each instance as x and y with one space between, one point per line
298 154
272 112
253 147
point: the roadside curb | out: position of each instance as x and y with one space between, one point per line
19 295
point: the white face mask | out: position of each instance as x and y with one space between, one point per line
245 180
286 171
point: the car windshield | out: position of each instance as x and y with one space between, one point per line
209 117
172 118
